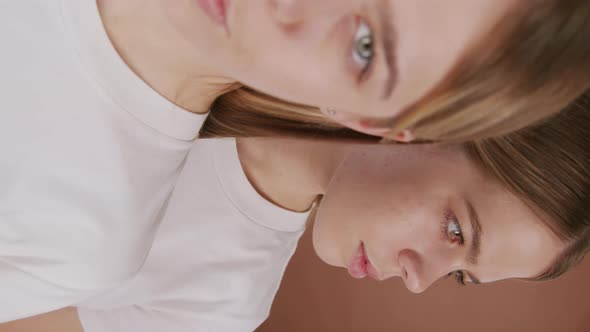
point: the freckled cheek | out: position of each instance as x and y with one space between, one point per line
414 223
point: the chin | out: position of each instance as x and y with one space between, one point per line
327 251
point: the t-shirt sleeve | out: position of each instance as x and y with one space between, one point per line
24 295
133 318
48 263
147 319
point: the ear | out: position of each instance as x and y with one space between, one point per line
359 124
366 127
404 136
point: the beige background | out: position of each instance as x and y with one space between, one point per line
316 297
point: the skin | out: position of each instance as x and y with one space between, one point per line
394 199
307 54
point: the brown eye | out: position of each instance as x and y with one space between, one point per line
454 230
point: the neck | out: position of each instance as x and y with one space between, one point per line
144 38
291 173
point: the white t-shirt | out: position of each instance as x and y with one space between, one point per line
217 259
90 155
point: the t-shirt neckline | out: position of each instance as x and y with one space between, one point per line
245 198
105 67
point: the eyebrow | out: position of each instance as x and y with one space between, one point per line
475 247
388 40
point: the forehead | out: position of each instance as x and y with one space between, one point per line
432 36
515 242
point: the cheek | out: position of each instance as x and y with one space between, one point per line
296 76
350 212
289 78
277 62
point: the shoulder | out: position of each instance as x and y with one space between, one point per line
78 262
40 276
72 249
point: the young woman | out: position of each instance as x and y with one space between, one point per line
505 208
454 70
102 100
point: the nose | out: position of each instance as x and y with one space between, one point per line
415 277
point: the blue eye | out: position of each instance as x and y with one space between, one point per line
363 49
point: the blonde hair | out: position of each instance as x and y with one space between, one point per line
534 62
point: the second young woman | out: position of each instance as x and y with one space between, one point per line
512 207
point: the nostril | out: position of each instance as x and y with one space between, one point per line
411 271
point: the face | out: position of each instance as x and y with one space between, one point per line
422 213
377 56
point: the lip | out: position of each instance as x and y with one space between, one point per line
216 10
360 266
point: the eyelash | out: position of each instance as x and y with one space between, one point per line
459 277
366 69
451 219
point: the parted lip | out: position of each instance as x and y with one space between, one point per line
357 268
360 265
